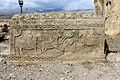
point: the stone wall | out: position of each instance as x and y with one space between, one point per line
55 37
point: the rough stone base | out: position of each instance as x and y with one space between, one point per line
28 60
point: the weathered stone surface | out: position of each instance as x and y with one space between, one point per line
112 24
55 40
99 7
113 43
112 15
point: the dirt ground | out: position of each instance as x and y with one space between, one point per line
107 70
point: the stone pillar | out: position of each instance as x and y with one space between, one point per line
112 23
112 17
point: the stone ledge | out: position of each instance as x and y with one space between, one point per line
55 15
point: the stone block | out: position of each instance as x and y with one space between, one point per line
60 39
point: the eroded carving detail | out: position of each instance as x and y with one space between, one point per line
57 40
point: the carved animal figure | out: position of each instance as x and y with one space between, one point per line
99 7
